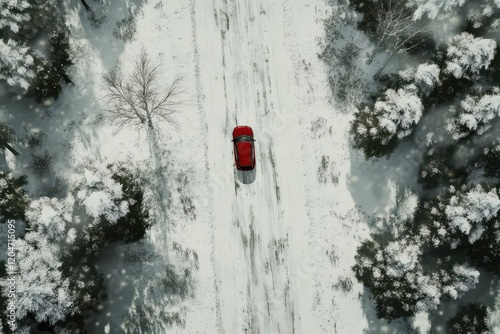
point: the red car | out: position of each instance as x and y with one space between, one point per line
244 149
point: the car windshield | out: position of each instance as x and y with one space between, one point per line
243 138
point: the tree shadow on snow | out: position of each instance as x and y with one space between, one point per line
381 326
372 182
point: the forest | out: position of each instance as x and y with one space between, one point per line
419 81
434 91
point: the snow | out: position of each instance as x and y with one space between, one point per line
425 76
91 178
403 258
467 53
401 109
472 210
431 8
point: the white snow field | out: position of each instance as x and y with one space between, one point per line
274 248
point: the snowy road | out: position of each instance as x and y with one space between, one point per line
266 265
245 73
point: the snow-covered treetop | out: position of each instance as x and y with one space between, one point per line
51 216
99 193
469 54
41 289
12 12
432 7
425 77
475 114
16 64
400 110
402 257
464 279
469 211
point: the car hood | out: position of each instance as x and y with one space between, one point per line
244 153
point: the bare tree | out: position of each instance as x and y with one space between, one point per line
395 28
138 100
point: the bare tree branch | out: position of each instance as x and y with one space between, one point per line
139 100
396 28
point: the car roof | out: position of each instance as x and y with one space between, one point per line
245 156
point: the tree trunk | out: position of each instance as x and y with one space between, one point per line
7 146
385 64
66 78
87 8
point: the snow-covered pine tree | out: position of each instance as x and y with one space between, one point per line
469 210
41 289
377 131
468 55
425 77
53 218
489 159
393 273
14 199
98 194
13 13
475 114
470 318
16 63
131 227
431 8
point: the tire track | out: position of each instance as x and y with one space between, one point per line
202 111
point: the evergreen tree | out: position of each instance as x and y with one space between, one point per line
14 199
13 13
425 77
431 8
469 319
468 55
439 167
475 114
41 289
16 63
377 131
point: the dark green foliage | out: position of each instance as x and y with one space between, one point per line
86 286
421 45
488 158
459 156
33 140
372 145
59 51
133 226
47 83
448 91
6 134
47 23
485 252
41 164
439 168
14 199
369 10
470 319
394 297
